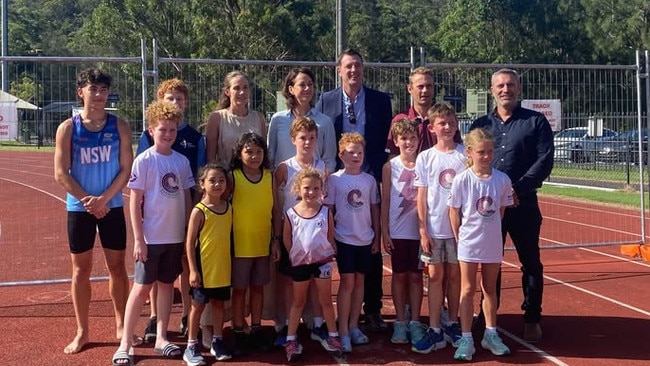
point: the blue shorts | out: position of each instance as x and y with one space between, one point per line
204 295
353 258
163 264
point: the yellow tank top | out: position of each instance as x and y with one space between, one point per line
252 206
213 251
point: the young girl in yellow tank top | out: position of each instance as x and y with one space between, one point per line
254 243
208 254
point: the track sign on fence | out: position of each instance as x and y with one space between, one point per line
8 121
551 108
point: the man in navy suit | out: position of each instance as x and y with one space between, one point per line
356 108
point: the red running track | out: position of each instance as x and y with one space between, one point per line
596 302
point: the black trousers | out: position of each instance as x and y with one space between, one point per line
523 224
373 291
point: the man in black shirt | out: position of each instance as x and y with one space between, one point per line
523 149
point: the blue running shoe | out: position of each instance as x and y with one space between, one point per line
319 334
453 333
281 338
400 333
431 341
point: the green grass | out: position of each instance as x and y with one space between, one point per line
18 146
619 198
617 174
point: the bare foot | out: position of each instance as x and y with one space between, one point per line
76 345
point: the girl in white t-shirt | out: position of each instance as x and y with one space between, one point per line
478 199
309 238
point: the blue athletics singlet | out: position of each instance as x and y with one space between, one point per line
95 161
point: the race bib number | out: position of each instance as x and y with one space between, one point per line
325 270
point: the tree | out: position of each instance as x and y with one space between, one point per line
511 31
617 28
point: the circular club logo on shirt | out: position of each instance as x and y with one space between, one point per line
170 183
485 206
355 199
446 177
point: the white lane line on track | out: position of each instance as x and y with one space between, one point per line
604 209
624 259
41 190
531 347
600 227
589 292
34 188
28 172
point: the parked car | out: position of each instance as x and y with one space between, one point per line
574 144
624 148
463 126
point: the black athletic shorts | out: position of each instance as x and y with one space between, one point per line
82 227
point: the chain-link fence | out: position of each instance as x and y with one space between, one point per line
603 104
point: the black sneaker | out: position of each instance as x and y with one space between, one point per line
241 344
261 339
478 323
219 351
183 326
150 330
376 322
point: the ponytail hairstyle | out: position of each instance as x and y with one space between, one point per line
474 137
224 100
203 173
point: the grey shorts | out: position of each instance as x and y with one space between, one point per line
163 264
248 272
443 251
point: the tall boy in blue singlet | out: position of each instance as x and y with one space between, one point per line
92 162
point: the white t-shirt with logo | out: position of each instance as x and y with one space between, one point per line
402 212
163 179
352 196
435 170
479 200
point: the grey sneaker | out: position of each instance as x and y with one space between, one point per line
192 356
493 343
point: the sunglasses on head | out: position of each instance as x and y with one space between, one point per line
351 116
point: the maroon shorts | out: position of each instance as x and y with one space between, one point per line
406 256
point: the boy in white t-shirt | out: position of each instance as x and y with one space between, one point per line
162 178
353 197
400 234
435 169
